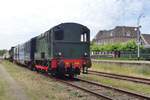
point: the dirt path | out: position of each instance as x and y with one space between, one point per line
15 90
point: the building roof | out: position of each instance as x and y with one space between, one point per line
117 31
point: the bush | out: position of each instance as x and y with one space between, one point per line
2 52
116 47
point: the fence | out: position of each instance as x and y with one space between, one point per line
123 54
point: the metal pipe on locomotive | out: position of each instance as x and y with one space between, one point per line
64 49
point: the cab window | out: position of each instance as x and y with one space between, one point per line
84 37
59 34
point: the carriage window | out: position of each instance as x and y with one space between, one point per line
84 37
59 35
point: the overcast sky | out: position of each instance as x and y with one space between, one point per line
21 20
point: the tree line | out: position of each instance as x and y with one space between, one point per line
2 52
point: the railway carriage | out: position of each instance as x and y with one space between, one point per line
64 49
29 51
11 53
16 54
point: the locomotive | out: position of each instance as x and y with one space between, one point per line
62 50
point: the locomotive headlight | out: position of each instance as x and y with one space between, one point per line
59 53
85 54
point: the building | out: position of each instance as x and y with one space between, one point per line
119 34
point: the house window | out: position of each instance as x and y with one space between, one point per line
127 34
111 34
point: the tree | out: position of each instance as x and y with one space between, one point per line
95 47
2 52
116 47
131 46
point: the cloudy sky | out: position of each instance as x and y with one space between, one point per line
22 19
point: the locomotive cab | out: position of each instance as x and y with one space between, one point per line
71 48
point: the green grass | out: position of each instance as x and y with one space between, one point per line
117 59
39 87
3 89
125 69
121 58
134 87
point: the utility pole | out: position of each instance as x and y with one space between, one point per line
138 35
138 40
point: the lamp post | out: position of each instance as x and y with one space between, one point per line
138 42
137 29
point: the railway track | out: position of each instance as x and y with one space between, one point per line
100 90
121 77
104 91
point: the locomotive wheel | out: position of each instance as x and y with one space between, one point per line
36 70
53 72
61 69
85 70
49 72
71 76
31 67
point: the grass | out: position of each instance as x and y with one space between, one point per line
3 89
39 87
125 69
140 88
121 58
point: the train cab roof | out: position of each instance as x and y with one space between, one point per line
62 25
